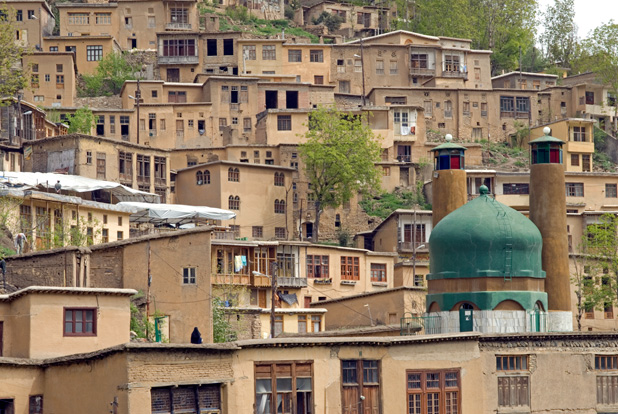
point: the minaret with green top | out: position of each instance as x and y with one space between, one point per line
548 212
449 185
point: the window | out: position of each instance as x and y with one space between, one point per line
186 399
143 168
295 55
284 387
316 323
316 56
610 191
228 47
350 268
246 124
80 322
79 18
466 108
179 47
284 122
47 77
378 272
279 207
436 392
361 377
233 174
344 86
516 188
586 162
211 47
379 67
103 18
484 109
393 67
279 179
179 15
579 134
513 390
36 402
60 80
188 276
418 61
101 166
257 232
575 160
511 362
317 267
248 52
160 170
574 189
280 233
234 202
358 66
589 98
513 107
451 63
269 52
302 323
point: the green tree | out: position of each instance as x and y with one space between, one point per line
559 37
339 158
599 265
12 77
599 54
331 21
221 328
82 121
111 73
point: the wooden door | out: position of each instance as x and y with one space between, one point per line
262 298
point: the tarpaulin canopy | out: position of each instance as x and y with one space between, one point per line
174 213
74 183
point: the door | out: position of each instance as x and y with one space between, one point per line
465 318
262 298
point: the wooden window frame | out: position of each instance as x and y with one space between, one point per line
84 321
350 268
275 370
312 266
189 275
378 272
417 398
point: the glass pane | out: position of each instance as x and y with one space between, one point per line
263 385
284 403
414 381
68 327
78 327
433 380
88 327
451 379
68 316
78 316
263 403
284 384
303 384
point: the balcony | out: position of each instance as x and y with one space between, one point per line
292 282
454 74
178 26
179 60
230 279
410 246
422 72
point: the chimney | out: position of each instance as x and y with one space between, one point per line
449 186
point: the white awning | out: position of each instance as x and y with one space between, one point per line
174 213
74 183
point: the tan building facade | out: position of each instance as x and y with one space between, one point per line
52 79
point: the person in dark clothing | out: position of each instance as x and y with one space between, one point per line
196 336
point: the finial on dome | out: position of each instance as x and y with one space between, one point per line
547 130
448 137
483 190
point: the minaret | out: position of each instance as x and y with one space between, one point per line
548 212
449 185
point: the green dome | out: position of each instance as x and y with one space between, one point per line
485 238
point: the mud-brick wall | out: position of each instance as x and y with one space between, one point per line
51 268
179 366
106 268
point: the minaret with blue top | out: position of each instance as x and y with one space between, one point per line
548 212
449 185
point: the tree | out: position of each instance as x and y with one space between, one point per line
599 54
12 77
331 21
111 73
82 121
596 270
559 38
339 158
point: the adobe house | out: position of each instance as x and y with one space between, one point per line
170 270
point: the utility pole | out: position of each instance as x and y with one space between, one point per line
148 291
138 97
362 69
273 287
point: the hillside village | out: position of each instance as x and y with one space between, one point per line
166 248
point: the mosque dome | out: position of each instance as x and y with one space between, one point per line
485 238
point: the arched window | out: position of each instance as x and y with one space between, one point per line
234 203
233 174
466 306
199 178
280 206
206 177
279 179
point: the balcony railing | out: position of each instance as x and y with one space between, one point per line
454 74
410 245
260 281
178 26
293 282
422 72
179 60
223 235
230 279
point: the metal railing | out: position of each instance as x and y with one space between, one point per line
178 26
419 325
297 282
179 59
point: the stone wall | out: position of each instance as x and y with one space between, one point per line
50 268
106 268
